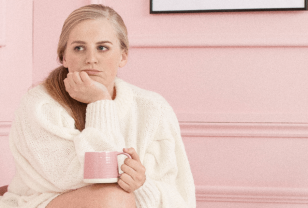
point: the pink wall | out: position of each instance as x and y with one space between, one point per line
16 73
237 82
15 56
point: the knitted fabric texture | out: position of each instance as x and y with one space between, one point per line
49 151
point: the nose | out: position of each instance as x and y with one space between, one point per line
91 57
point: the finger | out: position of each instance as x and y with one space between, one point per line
132 153
76 78
134 164
71 80
66 84
124 184
85 77
132 184
136 171
128 170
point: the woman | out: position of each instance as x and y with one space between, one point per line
82 106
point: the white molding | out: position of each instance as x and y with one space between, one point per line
2 22
190 129
218 40
252 194
272 130
5 127
204 117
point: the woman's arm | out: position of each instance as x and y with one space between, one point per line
49 151
169 181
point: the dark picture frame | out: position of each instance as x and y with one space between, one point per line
197 6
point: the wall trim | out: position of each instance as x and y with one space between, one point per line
275 130
204 117
5 127
252 194
190 129
218 40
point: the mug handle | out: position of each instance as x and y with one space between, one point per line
123 153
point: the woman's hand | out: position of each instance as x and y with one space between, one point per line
82 88
134 172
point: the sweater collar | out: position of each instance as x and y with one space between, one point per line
124 97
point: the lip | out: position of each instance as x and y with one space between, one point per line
91 71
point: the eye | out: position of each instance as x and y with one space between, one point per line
79 48
102 48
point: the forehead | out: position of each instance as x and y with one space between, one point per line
93 30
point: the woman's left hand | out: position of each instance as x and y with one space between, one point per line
133 175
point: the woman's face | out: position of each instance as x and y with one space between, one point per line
94 45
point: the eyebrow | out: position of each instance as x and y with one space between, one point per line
82 42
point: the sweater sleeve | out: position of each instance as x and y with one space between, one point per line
49 150
169 181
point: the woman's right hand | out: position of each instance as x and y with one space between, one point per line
83 89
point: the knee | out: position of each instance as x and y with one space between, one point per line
95 196
114 196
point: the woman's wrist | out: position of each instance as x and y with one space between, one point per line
107 97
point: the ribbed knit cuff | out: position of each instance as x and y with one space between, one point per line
102 115
148 195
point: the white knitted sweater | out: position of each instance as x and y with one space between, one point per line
49 150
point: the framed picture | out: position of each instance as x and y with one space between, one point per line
2 23
184 6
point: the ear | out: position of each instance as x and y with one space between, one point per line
124 58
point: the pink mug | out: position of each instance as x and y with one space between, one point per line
101 167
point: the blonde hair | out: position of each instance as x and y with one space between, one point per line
93 11
54 82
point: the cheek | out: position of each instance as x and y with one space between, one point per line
73 63
112 64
